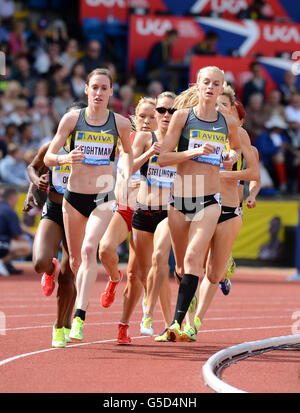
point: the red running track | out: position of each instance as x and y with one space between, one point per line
261 305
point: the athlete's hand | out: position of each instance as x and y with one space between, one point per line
76 155
205 149
154 149
228 162
250 202
43 182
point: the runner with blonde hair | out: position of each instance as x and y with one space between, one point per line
199 133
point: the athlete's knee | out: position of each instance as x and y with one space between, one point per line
213 277
191 260
88 252
74 263
42 264
105 251
158 258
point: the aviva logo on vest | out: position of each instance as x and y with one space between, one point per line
62 168
94 137
208 136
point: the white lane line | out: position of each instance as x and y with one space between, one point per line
19 356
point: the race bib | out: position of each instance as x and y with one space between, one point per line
158 176
96 147
199 137
60 176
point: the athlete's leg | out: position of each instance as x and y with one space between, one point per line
115 234
134 287
75 225
159 272
87 273
66 292
46 245
143 245
221 247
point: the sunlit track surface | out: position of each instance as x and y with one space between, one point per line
262 304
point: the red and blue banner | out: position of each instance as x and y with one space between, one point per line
229 9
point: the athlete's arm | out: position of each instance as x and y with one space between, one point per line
124 129
140 152
252 170
65 127
37 166
167 155
234 142
254 186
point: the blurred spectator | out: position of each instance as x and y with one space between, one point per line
93 57
292 112
62 101
13 168
20 112
256 117
277 153
13 244
159 60
7 10
288 87
42 119
11 93
77 80
125 104
113 71
9 136
39 38
257 84
16 39
206 47
26 138
56 79
60 33
69 56
25 75
273 107
258 10
41 89
154 89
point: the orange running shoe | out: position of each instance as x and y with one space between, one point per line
123 337
107 298
47 281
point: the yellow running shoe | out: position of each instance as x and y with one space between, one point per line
197 323
76 329
174 332
188 334
58 338
67 334
163 337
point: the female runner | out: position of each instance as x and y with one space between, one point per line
50 233
200 133
89 197
230 220
120 225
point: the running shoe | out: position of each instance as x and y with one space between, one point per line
123 337
146 326
67 334
76 329
174 332
58 338
231 268
47 281
188 334
107 298
163 337
225 286
3 270
193 305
